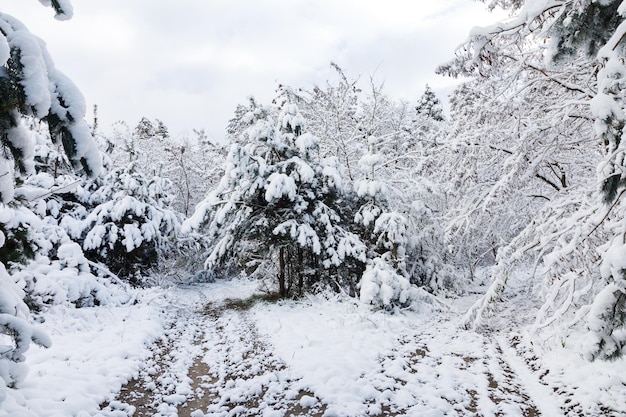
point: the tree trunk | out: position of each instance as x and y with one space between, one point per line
300 270
281 273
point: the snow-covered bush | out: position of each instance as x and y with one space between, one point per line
386 283
129 223
382 286
66 279
48 265
16 332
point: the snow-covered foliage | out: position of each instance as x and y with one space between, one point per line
129 222
339 199
391 158
63 8
383 286
522 151
31 86
186 162
17 330
276 194
429 107
548 109
46 267
40 263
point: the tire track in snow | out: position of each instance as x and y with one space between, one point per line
483 383
553 396
541 395
215 362
244 376
163 384
212 363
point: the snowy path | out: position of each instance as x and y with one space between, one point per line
215 350
224 357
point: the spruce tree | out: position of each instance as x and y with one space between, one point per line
31 89
279 202
429 106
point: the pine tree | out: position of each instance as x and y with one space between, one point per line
429 106
31 89
30 86
129 222
277 201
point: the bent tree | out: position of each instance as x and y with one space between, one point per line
566 59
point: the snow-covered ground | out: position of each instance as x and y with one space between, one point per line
211 350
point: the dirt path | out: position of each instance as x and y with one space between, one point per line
214 362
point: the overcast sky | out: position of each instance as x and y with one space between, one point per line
190 62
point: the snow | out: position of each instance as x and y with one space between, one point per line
614 262
306 142
327 354
301 233
537 391
66 10
279 186
382 286
7 191
35 76
5 51
67 102
355 360
93 352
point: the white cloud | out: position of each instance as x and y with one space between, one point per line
189 62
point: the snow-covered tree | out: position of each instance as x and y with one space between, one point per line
278 201
429 106
399 224
129 222
31 86
31 90
187 162
334 116
391 154
567 59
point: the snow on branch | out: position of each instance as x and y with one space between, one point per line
63 8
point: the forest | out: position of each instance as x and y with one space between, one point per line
338 188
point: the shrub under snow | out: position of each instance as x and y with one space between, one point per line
383 287
16 332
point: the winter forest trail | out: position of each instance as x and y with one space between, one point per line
213 358
234 356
